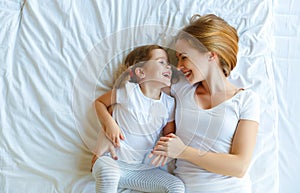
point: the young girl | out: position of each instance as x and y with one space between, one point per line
141 111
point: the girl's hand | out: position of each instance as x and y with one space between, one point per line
103 145
114 134
158 160
95 157
170 146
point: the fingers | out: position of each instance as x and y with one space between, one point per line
164 161
115 139
122 136
113 153
155 160
164 139
162 143
161 147
171 135
95 157
150 155
159 160
158 152
117 142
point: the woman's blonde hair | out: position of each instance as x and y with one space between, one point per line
215 35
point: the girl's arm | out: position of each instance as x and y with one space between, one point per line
110 126
169 128
160 159
235 163
103 145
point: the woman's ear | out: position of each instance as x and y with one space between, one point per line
212 56
140 72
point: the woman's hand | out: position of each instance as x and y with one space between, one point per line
169 146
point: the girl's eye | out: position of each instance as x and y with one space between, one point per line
162 62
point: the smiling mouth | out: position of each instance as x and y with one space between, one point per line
167 74
187 73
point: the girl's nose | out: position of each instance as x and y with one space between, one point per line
168 66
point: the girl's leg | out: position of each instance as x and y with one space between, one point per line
107 175
152 180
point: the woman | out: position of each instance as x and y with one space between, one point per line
217 122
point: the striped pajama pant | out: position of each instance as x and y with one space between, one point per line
110 175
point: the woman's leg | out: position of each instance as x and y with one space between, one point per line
107 175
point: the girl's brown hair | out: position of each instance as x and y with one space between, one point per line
136 58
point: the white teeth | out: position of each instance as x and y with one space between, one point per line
187 73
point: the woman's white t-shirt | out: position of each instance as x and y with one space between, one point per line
211 130
141 120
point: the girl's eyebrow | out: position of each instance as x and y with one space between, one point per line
161 58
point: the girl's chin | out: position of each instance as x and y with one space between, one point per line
168 84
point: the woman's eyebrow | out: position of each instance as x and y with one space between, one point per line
180 54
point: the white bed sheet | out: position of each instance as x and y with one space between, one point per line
286 60
57 56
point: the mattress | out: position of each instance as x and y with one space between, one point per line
57 57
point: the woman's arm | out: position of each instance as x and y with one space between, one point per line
110 126
233 164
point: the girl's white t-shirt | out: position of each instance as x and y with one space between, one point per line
141 120
211 130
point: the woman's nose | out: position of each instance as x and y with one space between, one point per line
179 65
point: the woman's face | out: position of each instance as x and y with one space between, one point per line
158 69
191 61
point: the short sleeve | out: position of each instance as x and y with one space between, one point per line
250 108
171 108
124 92
179 85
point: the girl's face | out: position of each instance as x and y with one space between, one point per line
158 69
191 62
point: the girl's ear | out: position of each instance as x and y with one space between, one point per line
140 72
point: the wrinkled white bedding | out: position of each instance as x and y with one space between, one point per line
57 56
286 59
